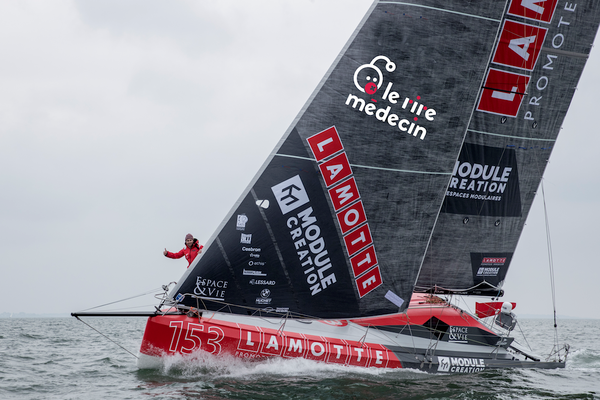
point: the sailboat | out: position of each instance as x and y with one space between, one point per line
404 181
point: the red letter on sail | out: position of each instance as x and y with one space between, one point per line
502 93
351 217
325 143
343 194
358 239
519 45
363 261
369 282
538 10
336 169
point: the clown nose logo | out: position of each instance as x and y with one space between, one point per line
370 88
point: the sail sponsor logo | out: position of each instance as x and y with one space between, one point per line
458 334
311 251
484 182
264 297
252 249
405 114
241 221
337 174
263 203
488 271
460 364
306 234
249 272
209 288
261 282
290 194
246 238
493 260
490 267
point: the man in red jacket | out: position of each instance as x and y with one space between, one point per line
190 251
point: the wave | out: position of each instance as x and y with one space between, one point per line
584 359
202 364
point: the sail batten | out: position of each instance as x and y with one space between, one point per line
464 14
512 136
372 166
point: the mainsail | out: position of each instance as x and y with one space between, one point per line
340 218
535 65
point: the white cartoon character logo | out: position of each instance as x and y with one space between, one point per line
372 75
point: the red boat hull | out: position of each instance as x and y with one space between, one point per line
432 335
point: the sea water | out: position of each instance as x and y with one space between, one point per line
61 358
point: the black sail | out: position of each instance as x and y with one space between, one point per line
536 63
337 222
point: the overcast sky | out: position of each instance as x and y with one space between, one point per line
125 125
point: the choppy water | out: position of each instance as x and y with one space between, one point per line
61 358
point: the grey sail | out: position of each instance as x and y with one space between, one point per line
338 220
536 62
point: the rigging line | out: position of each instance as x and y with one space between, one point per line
388 336
106 336
282 326
411 334
363 339
401 170
129 308
523 334
255 309
118 301
550 261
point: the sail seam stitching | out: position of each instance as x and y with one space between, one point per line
370 167
510 136
440 9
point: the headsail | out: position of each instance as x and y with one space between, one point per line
336 224
536 64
